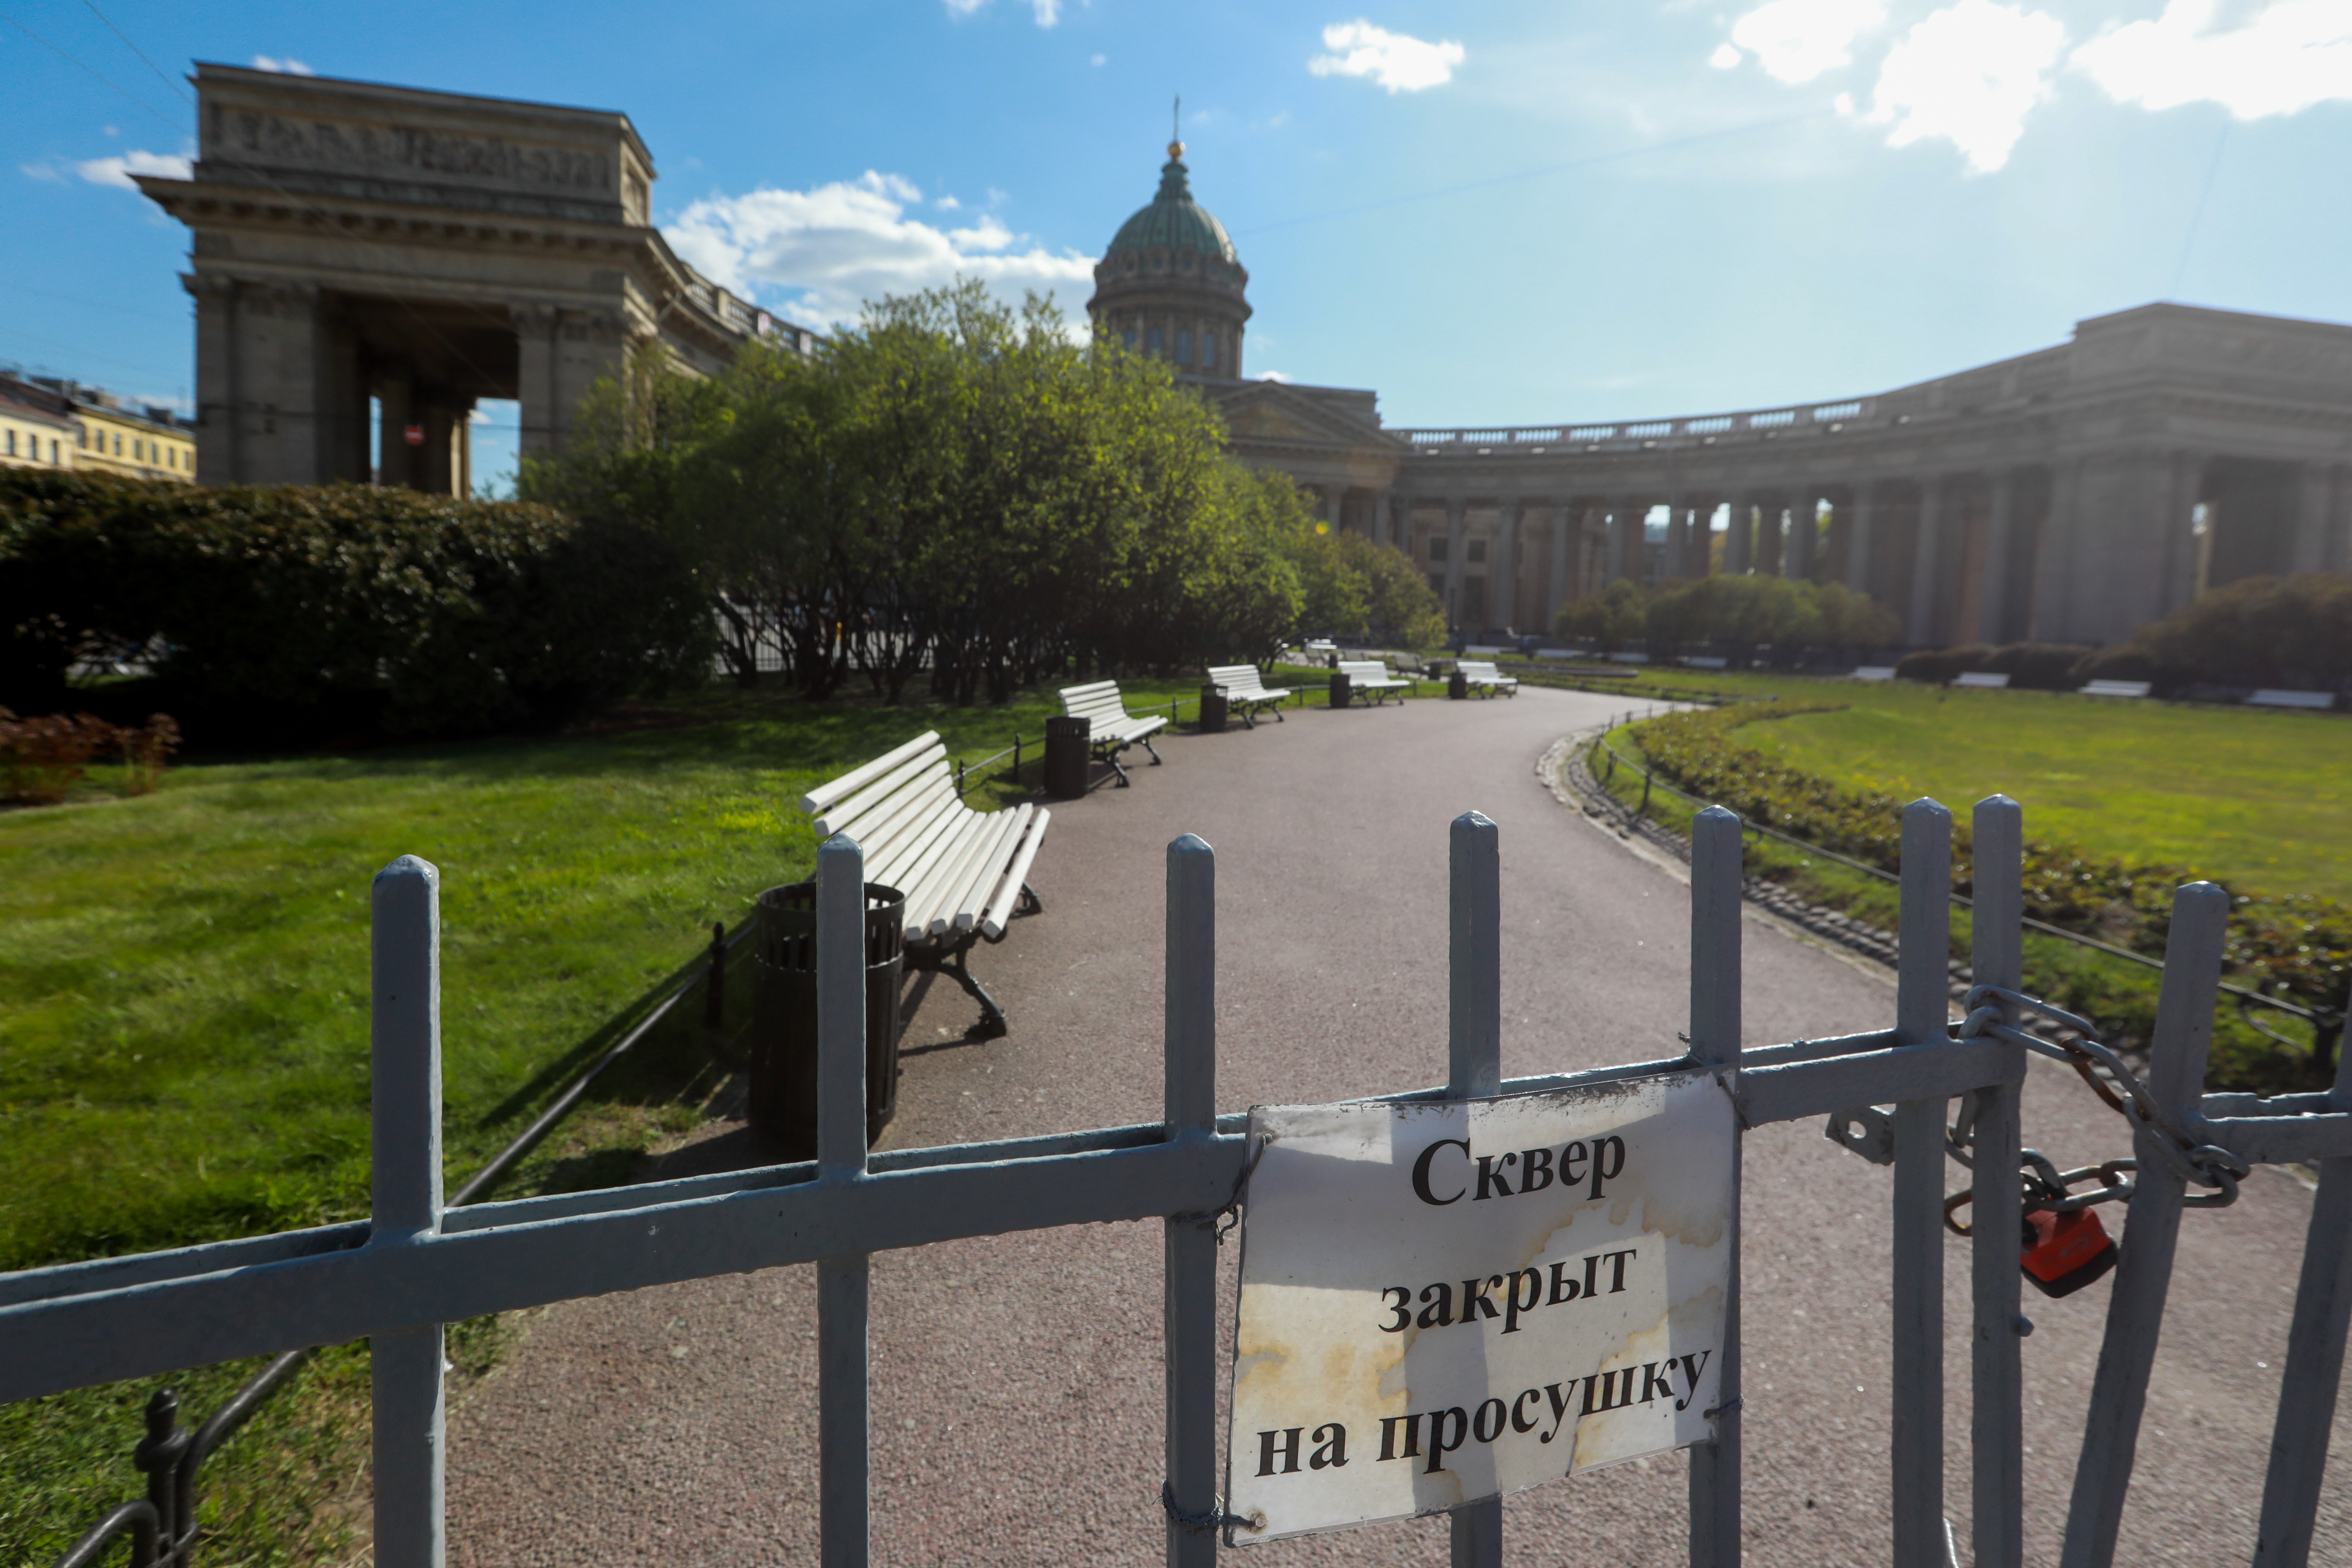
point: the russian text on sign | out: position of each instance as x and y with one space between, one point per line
1448 1300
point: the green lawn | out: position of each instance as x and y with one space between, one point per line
183 977
184 1025
2258 799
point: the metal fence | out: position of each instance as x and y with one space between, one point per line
418 1265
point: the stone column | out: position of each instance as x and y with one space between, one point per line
1739 535
1506 571
1993 593
1920 629
1857 538
1677 540
1455 506
1335 504
541 417
2053 561
1382 518
1805 534
1558 566
1772 541
1625 539
284 412
218 453
1400 521
2312 488
396 463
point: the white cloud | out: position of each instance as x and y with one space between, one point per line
1047 12
1969 73
1797 40
289 66
947 204
117 171
821 253
2286 57
1094 60
1274 376
47 173
1397 61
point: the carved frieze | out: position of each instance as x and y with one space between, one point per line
277 141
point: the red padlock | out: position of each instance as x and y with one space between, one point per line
2064 1252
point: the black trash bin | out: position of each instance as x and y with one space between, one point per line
1213 709
1457 685
783 1037
1340 688
1066 743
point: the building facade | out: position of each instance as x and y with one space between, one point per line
2071 494
371 258
36 426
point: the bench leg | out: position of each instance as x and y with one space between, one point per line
1118 767
1152 749
1030 903
956 964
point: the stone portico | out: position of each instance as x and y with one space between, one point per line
355 243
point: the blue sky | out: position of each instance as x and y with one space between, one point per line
1514 213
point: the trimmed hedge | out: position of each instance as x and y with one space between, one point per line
2029 666
351 605
2297 947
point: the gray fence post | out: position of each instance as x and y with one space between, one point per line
2143 1275
1922 1009
1716 846
841 1279
1189 1244
404 1365
1995 1204
2315 1360
1474 1059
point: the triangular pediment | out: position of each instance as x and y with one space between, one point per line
1274 411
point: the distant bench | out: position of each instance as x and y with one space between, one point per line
1711 661
1487 678
1373 679
1110 728
963 872
2117 688
2275 698
1983 679
1874 672
1629 659
1245 690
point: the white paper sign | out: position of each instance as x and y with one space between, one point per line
1447 1301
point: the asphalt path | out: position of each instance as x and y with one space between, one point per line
1016 1379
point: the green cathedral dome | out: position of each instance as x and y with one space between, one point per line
1174 219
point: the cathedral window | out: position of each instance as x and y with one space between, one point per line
1151 339
1130 337
1208 350
1183 346
1437 547
1477 552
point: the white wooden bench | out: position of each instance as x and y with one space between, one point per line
1322 649
1370 677
1874 672
1983 679
1111 729
1629 659
964 873
1559 653
1245 691
2272 697
1483 650
2117 689
1482 674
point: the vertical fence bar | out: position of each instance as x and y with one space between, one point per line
841 1280
2315 1362
1189 1246
2176 1079
1997 1419
1716 843
1922 1008
1474 1059
404 1365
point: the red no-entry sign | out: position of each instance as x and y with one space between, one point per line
416 435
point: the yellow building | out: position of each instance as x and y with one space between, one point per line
132 443
37 429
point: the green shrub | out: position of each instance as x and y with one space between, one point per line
425 614
2029 666
2260 631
